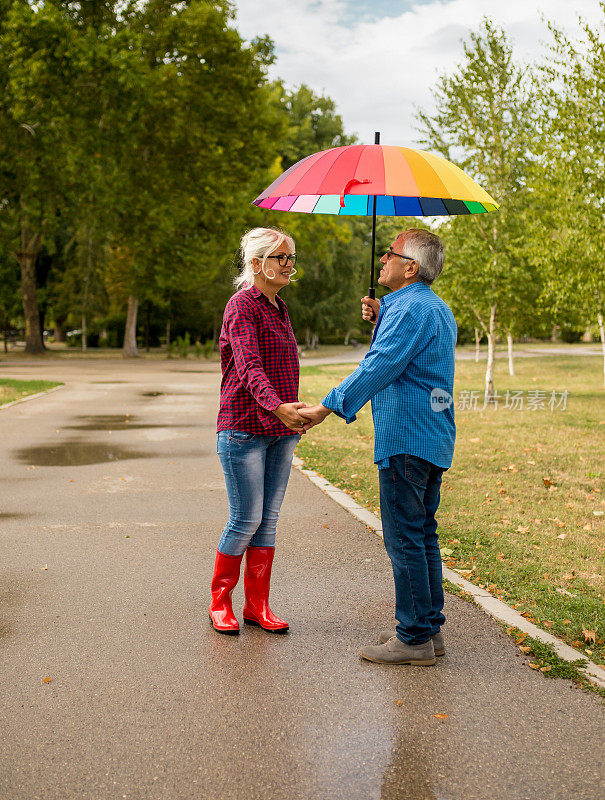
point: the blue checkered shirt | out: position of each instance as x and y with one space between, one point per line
408 374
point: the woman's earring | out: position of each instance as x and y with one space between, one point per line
266 274
294 271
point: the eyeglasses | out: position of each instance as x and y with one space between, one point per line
283 258
390 253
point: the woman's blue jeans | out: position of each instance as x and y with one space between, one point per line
409 498
256 470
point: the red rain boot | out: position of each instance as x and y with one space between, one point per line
257 579
224 579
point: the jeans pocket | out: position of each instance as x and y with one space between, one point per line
241 437
417 470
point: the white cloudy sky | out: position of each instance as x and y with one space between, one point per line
379 58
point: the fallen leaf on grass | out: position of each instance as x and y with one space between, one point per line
440 716
533 665
589 636
566 622
588 651
547 482
524 649
475 440
561 536
546 669
522 529
521 638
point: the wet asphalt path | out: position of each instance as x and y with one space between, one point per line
113 484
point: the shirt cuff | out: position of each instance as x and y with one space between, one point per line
334 400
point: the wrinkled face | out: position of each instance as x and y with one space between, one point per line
277 269
396 270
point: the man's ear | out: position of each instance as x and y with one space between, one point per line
412 269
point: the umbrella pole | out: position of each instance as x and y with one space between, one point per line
372 292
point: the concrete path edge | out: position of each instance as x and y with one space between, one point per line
491 605
31 397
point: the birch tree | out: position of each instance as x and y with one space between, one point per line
569 230
484 122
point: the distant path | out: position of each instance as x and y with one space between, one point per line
112 504
354 355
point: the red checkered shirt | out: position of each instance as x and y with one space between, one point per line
259 361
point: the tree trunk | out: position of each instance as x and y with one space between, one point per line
84 342
511 363
602 330
315 341
129 349
307 337
33 335
59 335
477 342
147 326
167 334
491 347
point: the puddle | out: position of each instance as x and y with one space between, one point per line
164 394
78 454
116 422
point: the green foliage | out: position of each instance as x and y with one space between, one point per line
183 343
567 231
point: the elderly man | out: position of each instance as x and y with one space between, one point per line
408 373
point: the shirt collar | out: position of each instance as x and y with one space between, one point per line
390 298
257 294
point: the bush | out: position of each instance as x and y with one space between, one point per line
183 343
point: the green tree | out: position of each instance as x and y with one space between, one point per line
568 231
485 122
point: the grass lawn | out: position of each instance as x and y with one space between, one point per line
522 506
14 390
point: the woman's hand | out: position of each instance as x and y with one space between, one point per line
370 309
288 414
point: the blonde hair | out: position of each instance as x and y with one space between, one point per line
258 243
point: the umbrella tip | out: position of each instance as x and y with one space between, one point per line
377 137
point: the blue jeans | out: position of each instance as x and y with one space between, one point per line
409 498
257 469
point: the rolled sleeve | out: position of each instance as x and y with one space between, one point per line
335 401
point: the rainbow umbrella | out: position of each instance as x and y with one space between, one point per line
366 180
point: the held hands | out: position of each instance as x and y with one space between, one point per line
288 414
370 309
314 414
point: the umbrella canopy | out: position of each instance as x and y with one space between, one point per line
405 183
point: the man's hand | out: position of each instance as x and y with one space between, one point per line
370 309
288 414
315 414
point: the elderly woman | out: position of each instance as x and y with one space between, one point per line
258 426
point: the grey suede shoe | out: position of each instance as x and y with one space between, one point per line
396 652
438 642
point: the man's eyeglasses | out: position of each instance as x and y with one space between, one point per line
390 253
283 258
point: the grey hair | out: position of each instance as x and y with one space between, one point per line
258 243
427 249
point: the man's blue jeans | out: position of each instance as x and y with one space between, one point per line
409 498
256 470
